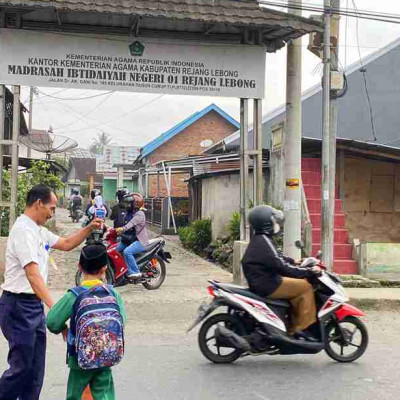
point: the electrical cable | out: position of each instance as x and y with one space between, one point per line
99 124
102 101
368 15
76 98
363 70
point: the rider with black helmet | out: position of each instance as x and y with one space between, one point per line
118 212
271 275
133 234
75 201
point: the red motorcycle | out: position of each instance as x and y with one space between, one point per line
151 262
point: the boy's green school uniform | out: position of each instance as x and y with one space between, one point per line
100 380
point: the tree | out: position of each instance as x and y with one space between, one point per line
99 143
39 172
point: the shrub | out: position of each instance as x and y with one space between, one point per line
196 236
37 173
234 226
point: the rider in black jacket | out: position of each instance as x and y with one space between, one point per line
272 275
118 212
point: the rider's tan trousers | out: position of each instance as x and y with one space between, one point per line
301 295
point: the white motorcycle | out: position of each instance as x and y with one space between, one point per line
254 325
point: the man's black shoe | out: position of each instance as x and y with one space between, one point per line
306 336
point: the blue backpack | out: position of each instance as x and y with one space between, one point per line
96 335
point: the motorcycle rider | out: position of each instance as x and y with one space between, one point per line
271 275
75 201
93 194
118 212
136 232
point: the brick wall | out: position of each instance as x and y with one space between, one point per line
187 143
179 188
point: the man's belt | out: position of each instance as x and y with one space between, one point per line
25 296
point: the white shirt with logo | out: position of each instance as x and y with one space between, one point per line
27 243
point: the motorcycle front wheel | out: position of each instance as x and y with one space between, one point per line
110 276
155 273
208 343
347 340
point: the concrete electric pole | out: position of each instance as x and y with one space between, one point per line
333 114
292 195
326 228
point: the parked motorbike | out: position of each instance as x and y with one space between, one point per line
151 262
254 325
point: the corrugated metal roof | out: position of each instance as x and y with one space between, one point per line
163 138
208 16
232 142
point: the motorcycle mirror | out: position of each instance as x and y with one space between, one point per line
299 244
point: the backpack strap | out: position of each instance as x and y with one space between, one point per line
77 290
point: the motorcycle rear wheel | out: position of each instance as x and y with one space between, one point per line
204 340
155 283
336 341
110 276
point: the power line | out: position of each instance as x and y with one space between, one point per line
115 118
363 70
89 112
76 98
364 14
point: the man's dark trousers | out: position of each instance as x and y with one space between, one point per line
23 324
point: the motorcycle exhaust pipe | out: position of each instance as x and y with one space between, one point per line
230 339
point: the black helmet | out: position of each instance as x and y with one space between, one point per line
121 193
75 191
266 219
94 193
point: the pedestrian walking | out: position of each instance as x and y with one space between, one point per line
22 319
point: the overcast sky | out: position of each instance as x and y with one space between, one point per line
116 113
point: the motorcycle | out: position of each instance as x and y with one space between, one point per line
151 262
77 214
254 325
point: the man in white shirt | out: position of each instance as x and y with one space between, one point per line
22 318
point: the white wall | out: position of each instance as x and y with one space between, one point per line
220 198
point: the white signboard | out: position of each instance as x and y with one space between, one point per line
81 61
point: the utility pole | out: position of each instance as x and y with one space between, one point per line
326 228
31 92
333 114
292 195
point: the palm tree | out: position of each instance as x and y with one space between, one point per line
99 143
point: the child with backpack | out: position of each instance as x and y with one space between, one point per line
95 340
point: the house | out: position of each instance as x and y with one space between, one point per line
368 150
116 166
80 169
188 138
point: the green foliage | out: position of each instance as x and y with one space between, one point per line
234 226
196 236
37 173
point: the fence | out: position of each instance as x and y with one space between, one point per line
157 212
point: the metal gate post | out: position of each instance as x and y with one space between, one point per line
15 148
244 167
2 119
257 155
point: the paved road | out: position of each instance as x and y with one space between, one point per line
163 363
